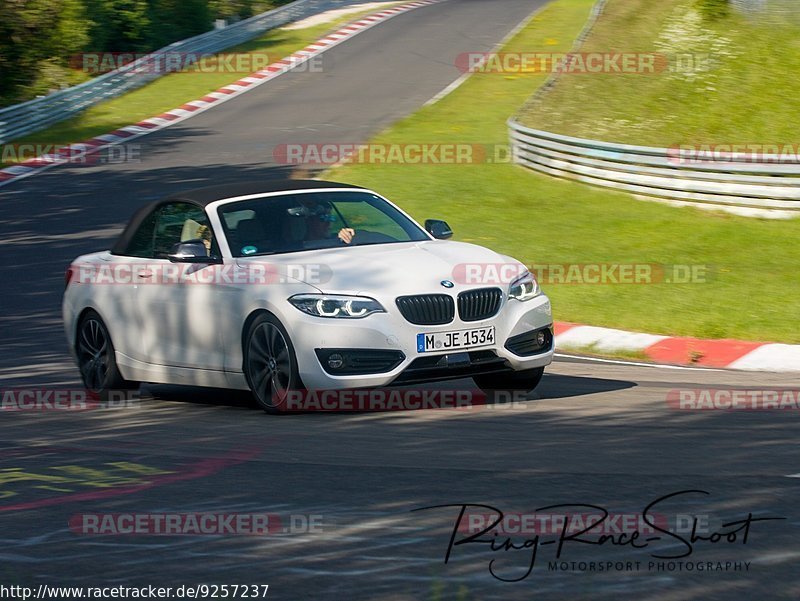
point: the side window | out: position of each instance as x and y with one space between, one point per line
141 243
234 218
180 222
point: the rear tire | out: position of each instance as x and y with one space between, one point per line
526 380
97 361
270 364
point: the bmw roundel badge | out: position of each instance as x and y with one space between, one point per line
447 283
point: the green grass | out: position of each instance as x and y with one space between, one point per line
744 94
592 351
172 90
537 219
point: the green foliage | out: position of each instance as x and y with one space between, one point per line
233 10
714 9
736 83
176 20
71 32
38 38
32 34
118 25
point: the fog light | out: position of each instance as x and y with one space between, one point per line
541 338
335 361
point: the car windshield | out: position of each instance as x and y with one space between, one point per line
312 221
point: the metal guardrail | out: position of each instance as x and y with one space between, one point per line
771 182
24 118
688 175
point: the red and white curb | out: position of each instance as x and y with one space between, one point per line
730 354
74 151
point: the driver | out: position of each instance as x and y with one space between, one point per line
318 218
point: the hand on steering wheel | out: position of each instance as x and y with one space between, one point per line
346 234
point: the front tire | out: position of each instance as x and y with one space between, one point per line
526 380
270 364
97 361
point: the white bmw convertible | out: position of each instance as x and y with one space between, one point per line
300 285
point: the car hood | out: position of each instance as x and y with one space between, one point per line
386 269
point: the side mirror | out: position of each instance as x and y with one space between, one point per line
191 251
438 229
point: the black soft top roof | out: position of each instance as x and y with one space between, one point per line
208 195
205 196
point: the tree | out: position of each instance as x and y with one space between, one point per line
118 25
174 20
35 32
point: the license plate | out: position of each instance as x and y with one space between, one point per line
459 339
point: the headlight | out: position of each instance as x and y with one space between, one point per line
524 287
327 305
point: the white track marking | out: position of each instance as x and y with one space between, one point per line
635 363
463 77
607 339
332 15
770 357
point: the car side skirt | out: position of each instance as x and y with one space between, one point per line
139 371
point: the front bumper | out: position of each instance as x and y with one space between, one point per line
315 338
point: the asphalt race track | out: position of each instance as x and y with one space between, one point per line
344 485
